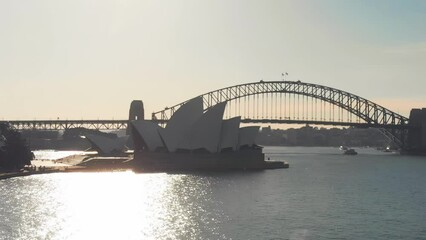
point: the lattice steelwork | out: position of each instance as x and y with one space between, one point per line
299 102
269 102
67 124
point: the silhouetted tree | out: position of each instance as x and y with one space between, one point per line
14 152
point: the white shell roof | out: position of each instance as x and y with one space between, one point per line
181 122
105 145
149 132
229 133
205 132
247 136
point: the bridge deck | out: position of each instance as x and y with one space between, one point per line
52 125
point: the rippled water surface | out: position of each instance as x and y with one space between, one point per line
323 195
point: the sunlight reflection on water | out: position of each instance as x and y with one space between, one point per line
119 205
323 195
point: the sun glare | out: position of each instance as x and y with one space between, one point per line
108 206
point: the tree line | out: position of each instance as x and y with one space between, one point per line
14 151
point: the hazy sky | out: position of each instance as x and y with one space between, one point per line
87 59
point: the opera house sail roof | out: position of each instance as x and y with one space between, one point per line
149 133
229 133
247 136
181 122
105 145
190 129
205 132
193 140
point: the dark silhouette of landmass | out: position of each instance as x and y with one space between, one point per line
313 136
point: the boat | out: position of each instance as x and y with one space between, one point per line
343 148
350 151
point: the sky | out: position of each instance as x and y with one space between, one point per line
88 59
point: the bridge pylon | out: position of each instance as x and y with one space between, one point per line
417 134
136 112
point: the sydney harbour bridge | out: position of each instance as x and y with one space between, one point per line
272 102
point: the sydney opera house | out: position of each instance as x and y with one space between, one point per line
197 140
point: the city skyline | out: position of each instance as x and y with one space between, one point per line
90 59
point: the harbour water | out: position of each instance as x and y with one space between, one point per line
323 195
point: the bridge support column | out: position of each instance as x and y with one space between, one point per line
417 135
136 112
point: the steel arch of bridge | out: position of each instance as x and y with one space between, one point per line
371 113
